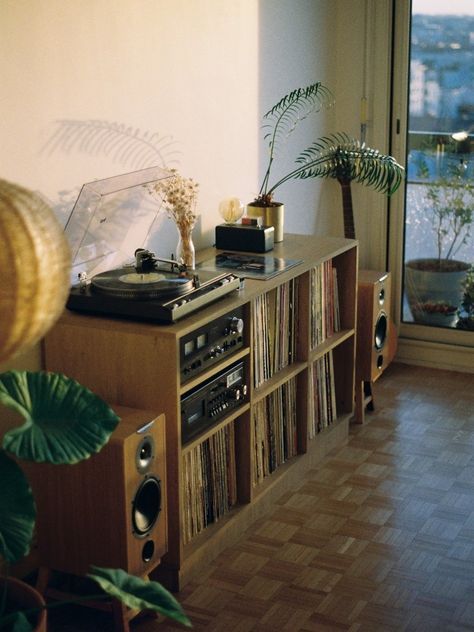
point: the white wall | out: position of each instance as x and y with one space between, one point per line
197 74
183 70
364 70
297 48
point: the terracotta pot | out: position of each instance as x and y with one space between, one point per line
22 596
272 216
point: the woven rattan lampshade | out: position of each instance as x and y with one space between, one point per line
35 265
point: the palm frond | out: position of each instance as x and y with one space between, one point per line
123 144
293 108
283 118
346 159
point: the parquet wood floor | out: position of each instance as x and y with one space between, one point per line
378 537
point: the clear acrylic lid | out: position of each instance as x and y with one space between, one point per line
111 219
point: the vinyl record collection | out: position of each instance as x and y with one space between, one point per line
274 330
323 395
209 480
274 427
325 320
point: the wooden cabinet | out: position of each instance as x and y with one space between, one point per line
297 356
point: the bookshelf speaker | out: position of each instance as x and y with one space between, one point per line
374 327
108 510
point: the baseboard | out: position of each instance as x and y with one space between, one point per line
435 355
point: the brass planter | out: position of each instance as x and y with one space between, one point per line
272 216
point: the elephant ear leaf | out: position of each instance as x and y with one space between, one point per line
17 511
139 594
64 422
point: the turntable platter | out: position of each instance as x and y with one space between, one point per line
126 283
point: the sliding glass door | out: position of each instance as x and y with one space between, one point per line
438 240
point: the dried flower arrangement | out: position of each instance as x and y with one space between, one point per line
179 197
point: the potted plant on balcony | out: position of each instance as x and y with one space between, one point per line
438 280
63 421
337 156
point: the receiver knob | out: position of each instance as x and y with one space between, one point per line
234 393
236 325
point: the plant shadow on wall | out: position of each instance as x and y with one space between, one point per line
434 285
337 156
121 143
127 146
63 422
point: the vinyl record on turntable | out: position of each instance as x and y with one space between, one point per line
126 283
104 282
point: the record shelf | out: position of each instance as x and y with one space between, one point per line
298 356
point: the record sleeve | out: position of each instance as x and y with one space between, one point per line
249 266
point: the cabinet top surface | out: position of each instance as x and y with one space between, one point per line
310 249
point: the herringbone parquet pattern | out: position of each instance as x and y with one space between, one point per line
379 537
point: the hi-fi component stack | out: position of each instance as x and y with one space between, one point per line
211 401
211 343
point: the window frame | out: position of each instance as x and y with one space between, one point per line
421 343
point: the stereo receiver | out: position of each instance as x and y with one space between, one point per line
211 401
211 343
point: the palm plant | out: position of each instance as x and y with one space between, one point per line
337 156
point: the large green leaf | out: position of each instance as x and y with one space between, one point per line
64 421
139 594
17 510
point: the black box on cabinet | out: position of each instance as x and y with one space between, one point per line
245 238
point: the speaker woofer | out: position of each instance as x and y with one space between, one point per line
146 506
380 333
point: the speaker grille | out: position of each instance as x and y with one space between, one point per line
146 506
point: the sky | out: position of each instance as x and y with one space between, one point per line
441 7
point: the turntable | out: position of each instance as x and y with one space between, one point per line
114 274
